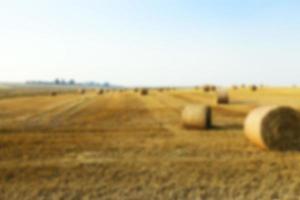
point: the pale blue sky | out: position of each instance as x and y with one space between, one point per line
151 42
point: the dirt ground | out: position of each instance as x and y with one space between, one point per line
121 145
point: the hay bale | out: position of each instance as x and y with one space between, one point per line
274 127
160 89
100 91
235 87
206 88
53 94
213 88
82 91
222 96
196 117
144 92
253 88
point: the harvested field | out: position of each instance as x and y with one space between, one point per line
126 146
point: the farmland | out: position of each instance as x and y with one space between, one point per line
122 145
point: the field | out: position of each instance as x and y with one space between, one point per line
121 145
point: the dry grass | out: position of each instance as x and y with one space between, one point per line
125 146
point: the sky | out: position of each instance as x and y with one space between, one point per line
151 42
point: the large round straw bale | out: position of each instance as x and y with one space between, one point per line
274 127
144 92
222 96
196 117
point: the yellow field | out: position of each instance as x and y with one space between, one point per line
128 146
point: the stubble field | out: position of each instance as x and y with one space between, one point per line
121 145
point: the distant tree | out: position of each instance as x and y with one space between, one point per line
106 84
56 81
72 82
63 82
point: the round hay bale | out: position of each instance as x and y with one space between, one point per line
53 94
222 96
235 87
144 92
253 88
196 117
82 91
206 88
213 88
100 91
274 127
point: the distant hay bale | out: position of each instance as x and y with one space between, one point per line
222 96
101 91
235 87
206 88
274 127
82 91
53 94
144 92
213 88
253 88
196 117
